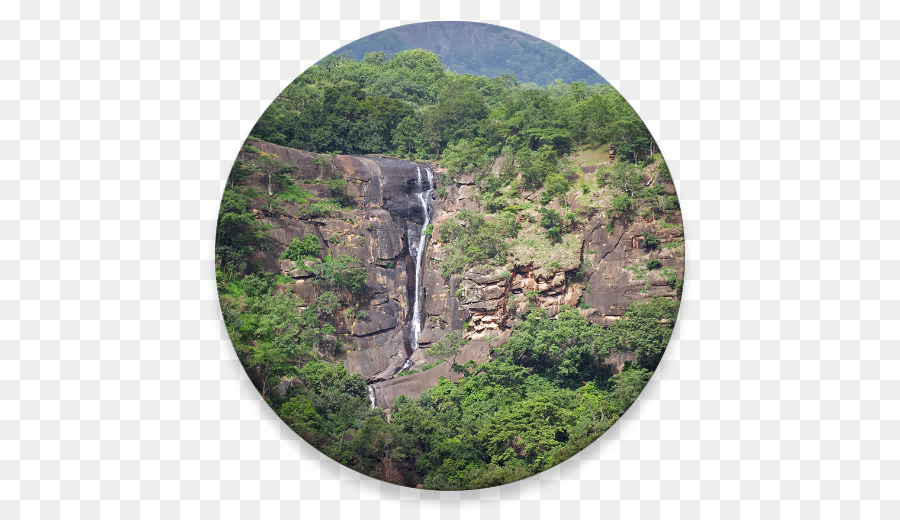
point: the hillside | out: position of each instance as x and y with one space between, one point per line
445 280
480 49
485 291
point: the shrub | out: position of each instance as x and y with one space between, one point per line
676 283
449 346
322 208
552 221
338 187
339 273
302 248
294 193
654 264
556 184
475 240
664 174
536 166
651 241
620 207
668 203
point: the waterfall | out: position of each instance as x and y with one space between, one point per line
426 190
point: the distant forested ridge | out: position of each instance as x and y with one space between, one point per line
480 49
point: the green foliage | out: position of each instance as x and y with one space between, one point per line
238 232
552 221
556 185
354 312
429 366
241 170
302 248
645 329
409 104
621 207
326 304
627 385
625 177
507 165
668 203
475 240
675 282
269 334
651 241
338 187
654 264
537 165
294 193
321 377
466 155
275 169
339 273
327 407
544 398
448 346
547 393
566 349
664 174
323 208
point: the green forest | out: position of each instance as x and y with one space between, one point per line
544 398
409 105
545 394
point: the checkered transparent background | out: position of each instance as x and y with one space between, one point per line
120 394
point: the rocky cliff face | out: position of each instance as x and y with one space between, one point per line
599 272
375 233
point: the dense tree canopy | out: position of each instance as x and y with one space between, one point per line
409 104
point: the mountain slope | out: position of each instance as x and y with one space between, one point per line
480 49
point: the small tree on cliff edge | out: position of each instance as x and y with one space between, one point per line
274 169
449 346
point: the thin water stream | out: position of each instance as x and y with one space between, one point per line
424 193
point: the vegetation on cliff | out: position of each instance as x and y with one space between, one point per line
542 400
547 390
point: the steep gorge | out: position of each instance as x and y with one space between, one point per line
409 303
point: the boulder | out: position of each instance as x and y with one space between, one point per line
414 385
305 289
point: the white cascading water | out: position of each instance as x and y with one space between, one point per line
424 195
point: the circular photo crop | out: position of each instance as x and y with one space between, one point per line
449 255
